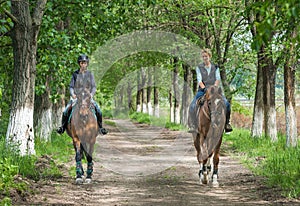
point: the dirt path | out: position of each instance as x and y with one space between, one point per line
141 165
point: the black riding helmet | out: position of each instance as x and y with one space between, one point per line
83 58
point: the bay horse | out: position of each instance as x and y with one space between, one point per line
83 129
211 117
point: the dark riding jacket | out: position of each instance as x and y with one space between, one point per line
74 78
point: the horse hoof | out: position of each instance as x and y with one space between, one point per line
215 181
88 180
79 181
205 178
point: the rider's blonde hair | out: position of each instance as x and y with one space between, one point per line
207 51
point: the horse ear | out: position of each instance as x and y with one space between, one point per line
212 90
220 90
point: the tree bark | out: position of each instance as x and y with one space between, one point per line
290 106
144 91
289 96
156 95
149 92
58 108
186 94
129 96
139 92
176 92
43 114
24 35
171 106
257 122
269 76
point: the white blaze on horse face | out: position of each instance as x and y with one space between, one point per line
217 101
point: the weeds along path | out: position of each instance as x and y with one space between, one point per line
140 165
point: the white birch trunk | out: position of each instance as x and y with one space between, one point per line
150 109
156 110
172 113
291 126
145 108
20 130
177 115
44 126
272 125
257 124
138 108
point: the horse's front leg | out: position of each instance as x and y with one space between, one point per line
90 163
216 165
205 159
78 157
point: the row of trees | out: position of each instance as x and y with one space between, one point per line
44 38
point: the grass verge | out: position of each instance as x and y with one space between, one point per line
273 160
15 168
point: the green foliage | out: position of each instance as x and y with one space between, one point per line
10 167
237 107
279 164
43 165
60 147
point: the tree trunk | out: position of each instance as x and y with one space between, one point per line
171 106
269 76
139 93
186 94
58 108
144 91
290 106
149 91
129 96
156 95
257 122
24 35
43 114
289 97
176 92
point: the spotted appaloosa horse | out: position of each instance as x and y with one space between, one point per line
207 141
83 129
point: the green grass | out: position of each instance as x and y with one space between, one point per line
273 160
43 165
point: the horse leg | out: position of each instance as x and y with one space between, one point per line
197 146
216 166
205 169
89 164
78 157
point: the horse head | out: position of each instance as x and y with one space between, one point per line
84 104
216 105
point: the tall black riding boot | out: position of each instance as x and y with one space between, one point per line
102 130
192 123
228 127
64 123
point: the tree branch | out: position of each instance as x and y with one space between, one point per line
13 18
39 12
